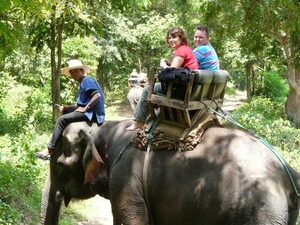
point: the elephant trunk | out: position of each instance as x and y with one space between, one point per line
51 204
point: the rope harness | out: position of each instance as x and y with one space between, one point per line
145 168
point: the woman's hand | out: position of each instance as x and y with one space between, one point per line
168 62
163 63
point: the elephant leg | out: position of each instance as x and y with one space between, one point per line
133 106
133 97
293 217
128 206
129 215
126 190
131 102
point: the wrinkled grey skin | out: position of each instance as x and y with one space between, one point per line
229 178
133 96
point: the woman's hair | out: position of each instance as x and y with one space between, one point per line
177 31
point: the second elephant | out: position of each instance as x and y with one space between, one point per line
134 95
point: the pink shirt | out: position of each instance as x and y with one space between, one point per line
190 59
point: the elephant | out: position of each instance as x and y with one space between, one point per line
230 177
134 95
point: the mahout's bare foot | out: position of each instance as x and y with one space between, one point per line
135 125
45 154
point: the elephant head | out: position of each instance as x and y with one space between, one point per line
76 171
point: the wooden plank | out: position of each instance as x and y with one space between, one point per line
171 117
212 91
200 96
170 128
186 117
152 81
151 110
177 104
188 91
169 91
197 116
179 116
162 112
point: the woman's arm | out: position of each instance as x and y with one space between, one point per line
177 61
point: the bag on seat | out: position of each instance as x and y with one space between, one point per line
170 74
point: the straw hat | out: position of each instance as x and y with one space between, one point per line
75 64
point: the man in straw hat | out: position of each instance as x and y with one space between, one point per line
90 105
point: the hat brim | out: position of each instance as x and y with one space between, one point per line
66 70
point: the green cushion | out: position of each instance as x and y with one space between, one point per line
203 78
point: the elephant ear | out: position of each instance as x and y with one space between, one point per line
92 161
93 166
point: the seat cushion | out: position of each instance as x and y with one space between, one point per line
220 76
203 76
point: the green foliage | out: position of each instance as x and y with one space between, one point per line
272 86
20 184
23 106
24 113
28 68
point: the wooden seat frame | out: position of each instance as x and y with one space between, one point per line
184 113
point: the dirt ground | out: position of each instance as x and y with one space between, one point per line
98 209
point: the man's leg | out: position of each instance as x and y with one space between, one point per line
61 123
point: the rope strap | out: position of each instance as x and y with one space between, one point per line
119 156
146 166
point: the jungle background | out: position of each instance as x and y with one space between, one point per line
257 43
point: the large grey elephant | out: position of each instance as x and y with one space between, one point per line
134 95
230 177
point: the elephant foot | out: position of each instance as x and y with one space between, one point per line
45 154
136 125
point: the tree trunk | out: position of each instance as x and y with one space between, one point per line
100 76
253 78
292 104
248 75
56 43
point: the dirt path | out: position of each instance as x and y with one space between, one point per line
98 209
232 102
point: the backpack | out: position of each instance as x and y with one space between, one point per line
182 75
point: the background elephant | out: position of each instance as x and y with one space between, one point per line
229 178
134 95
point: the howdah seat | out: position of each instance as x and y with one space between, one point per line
207 87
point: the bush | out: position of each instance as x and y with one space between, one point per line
25 116
273 87
20 187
